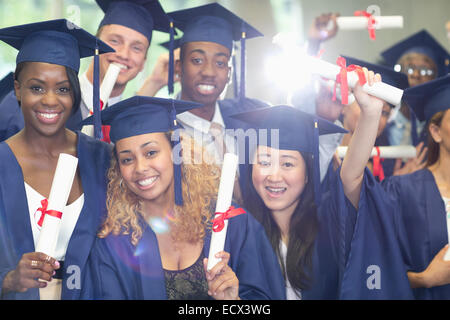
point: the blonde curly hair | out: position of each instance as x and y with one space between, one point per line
200 184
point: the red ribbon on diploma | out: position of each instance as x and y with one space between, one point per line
220 217
377 167
370 22
105 129
341 78
43 209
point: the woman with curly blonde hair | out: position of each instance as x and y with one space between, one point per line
154 242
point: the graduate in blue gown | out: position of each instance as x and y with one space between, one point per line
314 238
47 88
422 58
155 240
206 49
415 204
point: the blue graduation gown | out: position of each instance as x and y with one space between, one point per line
421 222
376 267
330 256
11 117
16 237
118 270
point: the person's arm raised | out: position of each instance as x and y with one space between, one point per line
362 141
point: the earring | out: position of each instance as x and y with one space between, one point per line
121 184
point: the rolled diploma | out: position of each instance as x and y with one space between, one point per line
57 200
388 152
380 90
105 91
382 22
224 197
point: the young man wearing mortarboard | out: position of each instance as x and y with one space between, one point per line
204 71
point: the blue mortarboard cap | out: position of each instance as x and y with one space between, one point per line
421 42
429 98
140 115
56 41
298 131
6 85
143 16
389 75
214 23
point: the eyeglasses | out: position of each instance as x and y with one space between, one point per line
409 70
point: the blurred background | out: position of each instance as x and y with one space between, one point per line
267 78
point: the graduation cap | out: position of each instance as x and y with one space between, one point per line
421 42
58 42
298 131
429 98
389 76
140 115
143 16
6 85
214 23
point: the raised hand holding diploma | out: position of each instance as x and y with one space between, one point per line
348 77
52 209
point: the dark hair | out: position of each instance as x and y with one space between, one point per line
302 229
433 146
72 76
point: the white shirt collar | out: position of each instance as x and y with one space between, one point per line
198 123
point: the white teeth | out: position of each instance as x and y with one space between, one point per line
121 66
206 87
48 115
147 182
276 190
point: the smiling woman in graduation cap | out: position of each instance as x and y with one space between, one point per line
160 203
47 89
313 234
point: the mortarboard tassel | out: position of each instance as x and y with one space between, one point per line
96 96
414 136
242 82
316 164
235 83
176 165
170 84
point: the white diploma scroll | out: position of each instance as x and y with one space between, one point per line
57 200
380 90
381 22
105 91
388 152
224 197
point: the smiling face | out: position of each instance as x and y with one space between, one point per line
131 51
45 96
418 67
146 166
279 178
204 69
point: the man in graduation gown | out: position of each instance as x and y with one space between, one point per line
209 33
